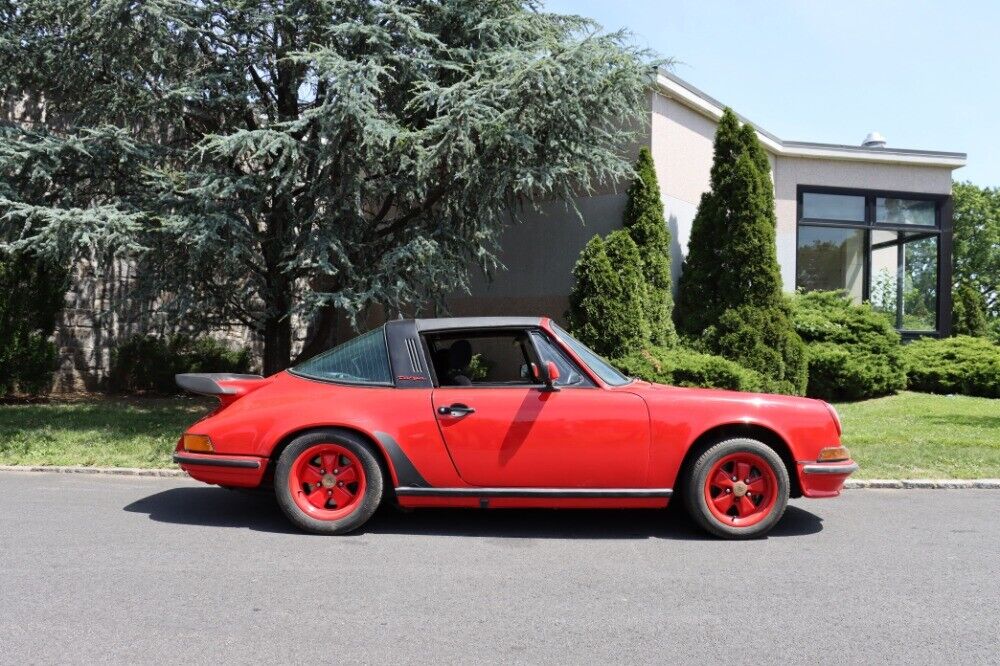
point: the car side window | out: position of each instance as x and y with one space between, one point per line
471 358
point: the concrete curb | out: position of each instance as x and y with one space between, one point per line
114 471
851 484
928 484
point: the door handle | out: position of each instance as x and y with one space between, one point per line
457 409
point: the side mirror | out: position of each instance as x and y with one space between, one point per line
550 375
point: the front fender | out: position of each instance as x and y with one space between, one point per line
680 418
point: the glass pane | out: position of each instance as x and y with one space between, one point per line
884 267
904 278
833 207
905 211
469 358
601 368
920 259
363 360
569 373
831 259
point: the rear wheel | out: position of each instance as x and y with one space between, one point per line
738 489
328 481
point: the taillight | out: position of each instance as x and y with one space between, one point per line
198 443
833 454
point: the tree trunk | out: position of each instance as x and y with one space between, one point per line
278 324
277 343
278 291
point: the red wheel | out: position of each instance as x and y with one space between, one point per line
327 481
737 489
741 489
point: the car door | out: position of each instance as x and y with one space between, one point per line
503 428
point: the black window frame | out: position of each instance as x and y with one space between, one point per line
942 230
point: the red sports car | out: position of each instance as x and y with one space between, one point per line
504 412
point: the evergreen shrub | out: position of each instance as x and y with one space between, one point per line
962 364
608 302
679 366
854 351
147 363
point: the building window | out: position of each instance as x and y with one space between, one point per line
884 248
831 259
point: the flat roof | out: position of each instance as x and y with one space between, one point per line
677 88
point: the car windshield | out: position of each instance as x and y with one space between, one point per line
363 360
601 368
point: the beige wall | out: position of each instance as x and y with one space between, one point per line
681 142
539 255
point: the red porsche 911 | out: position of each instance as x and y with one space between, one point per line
504 412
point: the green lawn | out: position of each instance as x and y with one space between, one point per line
108 432
924 436
910 435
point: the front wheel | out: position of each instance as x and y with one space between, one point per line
738 489
328 482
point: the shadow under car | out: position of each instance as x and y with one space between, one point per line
218 507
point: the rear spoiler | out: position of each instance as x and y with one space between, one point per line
217 383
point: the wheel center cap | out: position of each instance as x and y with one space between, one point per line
739 489
329 481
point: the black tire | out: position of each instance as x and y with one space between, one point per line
373 477
694 489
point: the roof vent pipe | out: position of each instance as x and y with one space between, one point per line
873 140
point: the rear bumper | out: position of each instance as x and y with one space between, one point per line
825 479
223 470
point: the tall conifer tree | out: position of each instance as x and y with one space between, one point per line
645 222
607 305
730 292
262 160
698 299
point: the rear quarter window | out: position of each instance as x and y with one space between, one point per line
363 360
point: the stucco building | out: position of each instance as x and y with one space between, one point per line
871 219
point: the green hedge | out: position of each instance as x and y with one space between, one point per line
146 363
854 352
762 340
684 367
963 364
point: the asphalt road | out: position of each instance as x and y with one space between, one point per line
106 569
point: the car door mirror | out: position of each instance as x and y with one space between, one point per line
553 371
549 375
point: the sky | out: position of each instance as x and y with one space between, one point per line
924 74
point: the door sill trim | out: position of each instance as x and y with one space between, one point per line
412 491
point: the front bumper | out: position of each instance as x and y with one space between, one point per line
223 470
825 479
